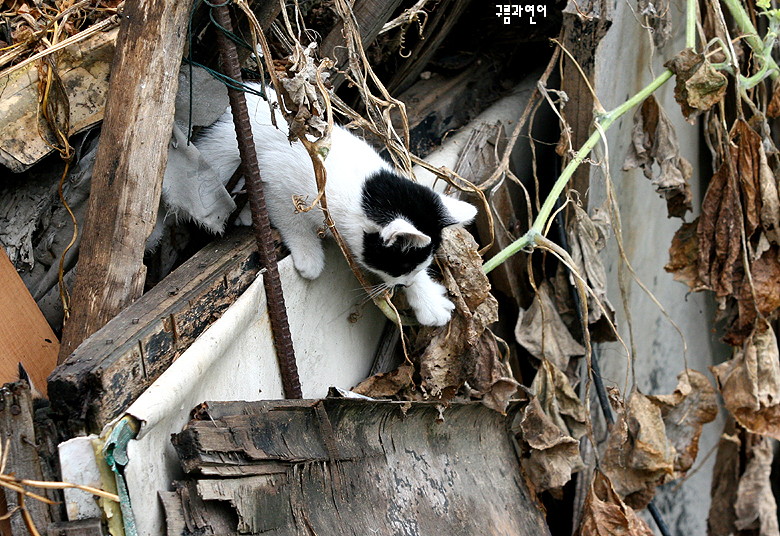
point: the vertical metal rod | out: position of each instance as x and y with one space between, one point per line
260 222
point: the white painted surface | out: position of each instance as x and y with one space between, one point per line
622 69
234 360
78 466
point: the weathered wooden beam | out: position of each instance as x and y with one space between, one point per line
129 167
118 362
18 436
352 467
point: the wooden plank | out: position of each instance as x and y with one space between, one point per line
25 336
358 467
129 167
117 363
18 435
82 527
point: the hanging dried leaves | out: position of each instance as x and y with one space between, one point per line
698 85
552 455
654 141
549 427
750 383
587 237
542 332
656 438
684 256
755 507
299 80
605 514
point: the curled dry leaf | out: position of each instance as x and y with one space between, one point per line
698 85
605 514
302 96
654 141
684 412
587 237
465 351
552 454
638 456
755 507
750 383
542 332
656 438
559 401
770 200
388 383
684 256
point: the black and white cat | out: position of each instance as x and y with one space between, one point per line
392 225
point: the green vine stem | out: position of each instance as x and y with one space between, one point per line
751 37
604 122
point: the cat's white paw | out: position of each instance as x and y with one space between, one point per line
309 262
429 301
437 311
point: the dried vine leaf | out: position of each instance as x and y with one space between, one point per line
755 507
770 200
587 237
605 514
654 141
750 383
465 351
746 150
302 96
773 109
698 85
542 332
559 401
638 456
684 256
553 455
684 412
387 384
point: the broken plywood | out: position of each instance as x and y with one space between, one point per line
352 467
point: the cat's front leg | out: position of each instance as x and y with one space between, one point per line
429 301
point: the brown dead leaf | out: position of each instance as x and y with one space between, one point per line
638 456
552 455
654 141
773 109
542 332
698 85
718 235
755 507
684 412
464 351
746 153
559 401
604 514
750 383
387 384
759 295
770 200
684 256
587 237
302 95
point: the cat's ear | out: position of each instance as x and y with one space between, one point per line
461 213
408 234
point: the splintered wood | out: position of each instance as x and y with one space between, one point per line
344 466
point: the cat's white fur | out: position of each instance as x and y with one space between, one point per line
287 171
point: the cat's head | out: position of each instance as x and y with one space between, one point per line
406 220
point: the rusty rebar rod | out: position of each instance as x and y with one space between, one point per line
277 311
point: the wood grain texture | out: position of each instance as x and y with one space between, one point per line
351 467
117 363
131 159
18 434
25 336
